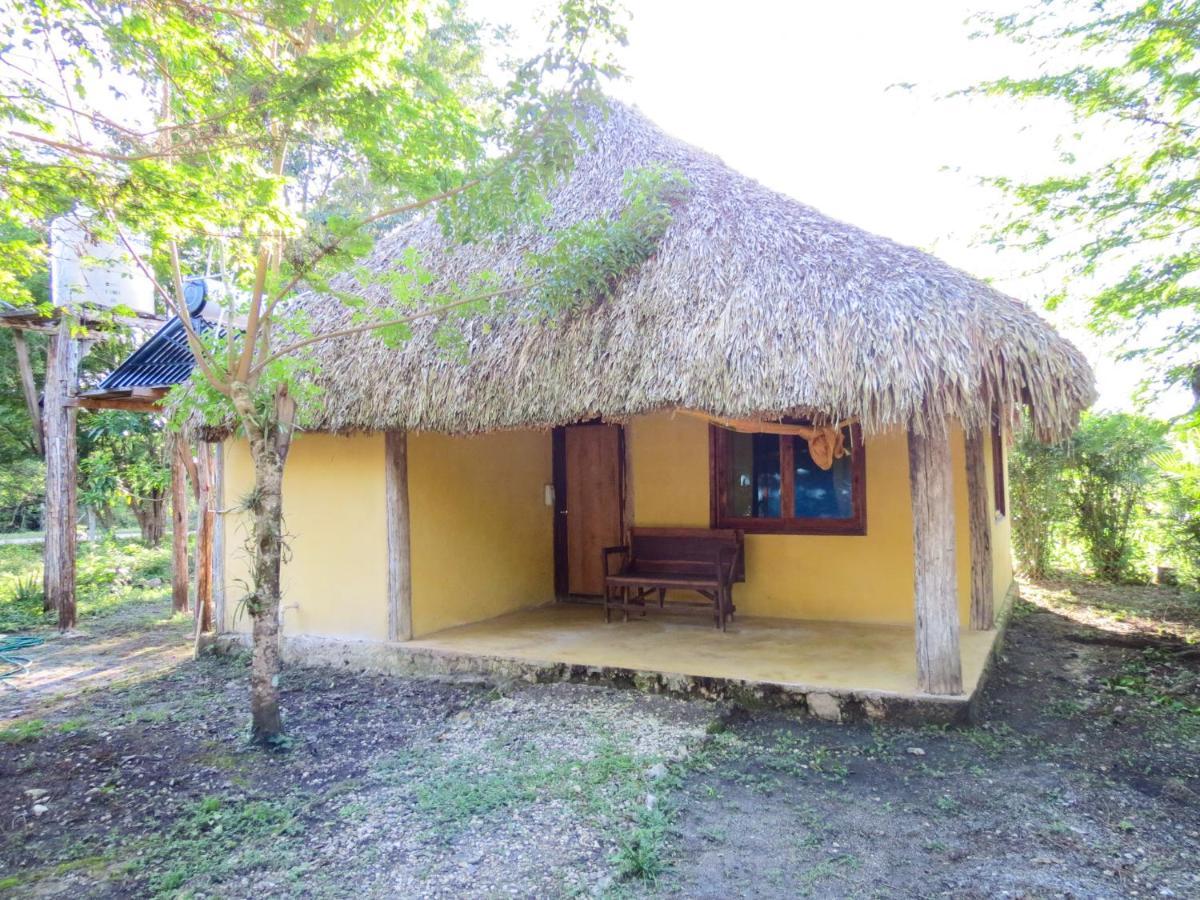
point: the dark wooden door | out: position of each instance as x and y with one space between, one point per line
591 469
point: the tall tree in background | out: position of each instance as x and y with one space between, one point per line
1127 227
278 136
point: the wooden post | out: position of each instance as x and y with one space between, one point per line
62 371
939 666
982 616
179 527
204 538
29 389
218 585
399 548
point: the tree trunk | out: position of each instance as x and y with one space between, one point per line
204 539
978 510
179 531
29 390
58 571
939 666
266 722
150 517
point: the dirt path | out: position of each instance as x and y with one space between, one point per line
139 642
1083 782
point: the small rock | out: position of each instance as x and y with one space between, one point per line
40 809
1173 789
915 751
35 793
658 770
651 802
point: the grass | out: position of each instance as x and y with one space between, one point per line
109 575
23 732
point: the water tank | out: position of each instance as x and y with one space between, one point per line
99 273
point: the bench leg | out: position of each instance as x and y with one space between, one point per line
607 604
624 604
662 597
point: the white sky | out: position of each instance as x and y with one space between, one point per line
796 95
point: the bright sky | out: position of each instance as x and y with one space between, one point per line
800 96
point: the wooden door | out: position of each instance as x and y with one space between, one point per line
592 473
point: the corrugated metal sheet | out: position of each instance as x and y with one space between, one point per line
162 361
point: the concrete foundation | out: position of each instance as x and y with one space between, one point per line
837 671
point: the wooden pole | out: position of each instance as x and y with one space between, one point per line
939 666
62 372
204 538
179 527
218 588
982 614
400 626
29 389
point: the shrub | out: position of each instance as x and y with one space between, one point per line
1037 492
1112 472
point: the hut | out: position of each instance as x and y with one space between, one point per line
839 402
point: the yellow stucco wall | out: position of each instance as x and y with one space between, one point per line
856 578
482 540
482 535
335 579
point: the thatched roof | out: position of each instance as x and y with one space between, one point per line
754 305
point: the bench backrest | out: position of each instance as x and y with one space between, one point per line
685 550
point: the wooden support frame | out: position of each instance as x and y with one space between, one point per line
62 373
218 539
205 517
399 544
978 513
29 390
935 587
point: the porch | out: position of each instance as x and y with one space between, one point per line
832 667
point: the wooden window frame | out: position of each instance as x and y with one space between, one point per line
999 492
718 468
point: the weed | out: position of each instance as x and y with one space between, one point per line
23 732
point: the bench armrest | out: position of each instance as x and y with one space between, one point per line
610 551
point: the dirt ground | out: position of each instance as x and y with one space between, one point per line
1082 780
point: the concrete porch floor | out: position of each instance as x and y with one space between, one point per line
802 657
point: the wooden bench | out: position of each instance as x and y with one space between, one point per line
705 560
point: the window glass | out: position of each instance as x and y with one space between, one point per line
822 493
754 476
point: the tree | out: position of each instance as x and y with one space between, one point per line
1127 226
124 463
387 105
1112 463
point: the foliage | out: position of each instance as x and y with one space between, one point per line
1125 227
284 134
1036 487
111 575
1180 493
1113 471
124 463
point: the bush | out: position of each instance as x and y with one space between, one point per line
1039 508
1180 522
1112 472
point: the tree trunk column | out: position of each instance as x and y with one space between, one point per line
398 536
62 371
179 527
939 666
982 601
204 539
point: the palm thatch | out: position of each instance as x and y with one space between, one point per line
754 305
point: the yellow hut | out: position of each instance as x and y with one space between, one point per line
451 511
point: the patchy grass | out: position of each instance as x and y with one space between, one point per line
111 575
1121 609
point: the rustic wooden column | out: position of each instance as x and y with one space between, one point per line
939 666
204 538
978 511
218 585
398 542
179 527
62 372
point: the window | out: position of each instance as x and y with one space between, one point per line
769 483
997 438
